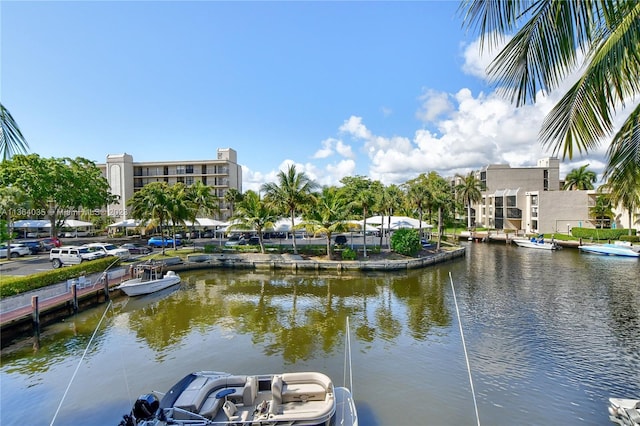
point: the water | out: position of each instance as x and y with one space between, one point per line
550 336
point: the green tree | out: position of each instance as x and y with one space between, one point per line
555 38
602 210
11 139
441 198
180 208
363 195
252 213
391 198
11 201
580 179
151 204
57 188
419 197
469 191
231 197
406 241
328 215
292 192
624 189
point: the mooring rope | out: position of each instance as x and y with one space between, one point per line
464 346
79 363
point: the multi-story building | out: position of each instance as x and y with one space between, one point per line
531 200
125 177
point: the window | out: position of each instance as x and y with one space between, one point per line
189 180
189 169
180 170
204 169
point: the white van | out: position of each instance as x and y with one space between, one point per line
61 256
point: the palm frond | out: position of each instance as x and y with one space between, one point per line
624 150
11 139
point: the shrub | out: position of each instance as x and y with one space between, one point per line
599 234
406 241
348 254
16 285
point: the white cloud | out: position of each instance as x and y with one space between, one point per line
434 105
354 127
326 150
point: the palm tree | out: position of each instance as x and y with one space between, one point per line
418 196
231 197
469 191
292 191
151 203
180 208
329 214
255 214
11 139
602 210
624 189
441 198
202 199
580 179
390 199
552 36
363 195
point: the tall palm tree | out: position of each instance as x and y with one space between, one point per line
390 199
231 197
11 139
418 196
329 214
441 198
602 209
180 208
624 189
292 191
203 201
151 203
554 38
580 179
363 194
469 191
255 214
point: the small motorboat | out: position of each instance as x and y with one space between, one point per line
208 398
625 412
149 278
536 243
616 249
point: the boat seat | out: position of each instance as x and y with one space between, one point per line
250 391
231 411
276 394
299 387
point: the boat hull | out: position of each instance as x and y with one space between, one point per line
137 287
536 245
610 250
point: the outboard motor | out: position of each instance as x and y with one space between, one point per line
145 407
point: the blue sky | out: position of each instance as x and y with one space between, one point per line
382 89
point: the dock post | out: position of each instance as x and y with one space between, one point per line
74 294
35 306
105 281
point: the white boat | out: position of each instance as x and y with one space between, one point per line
216 398
536 243
615 249
147 279
625 412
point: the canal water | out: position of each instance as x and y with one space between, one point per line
549 336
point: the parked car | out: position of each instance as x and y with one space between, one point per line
35 246
50 243
109 250
253 241
71 255
136 248
15 250
235 240
162 242
340 240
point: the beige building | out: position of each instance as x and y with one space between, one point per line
531 200
125 177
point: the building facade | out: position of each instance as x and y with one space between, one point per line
531 200
126 177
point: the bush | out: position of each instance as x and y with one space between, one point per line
406 241
16 285
600 234
348 254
